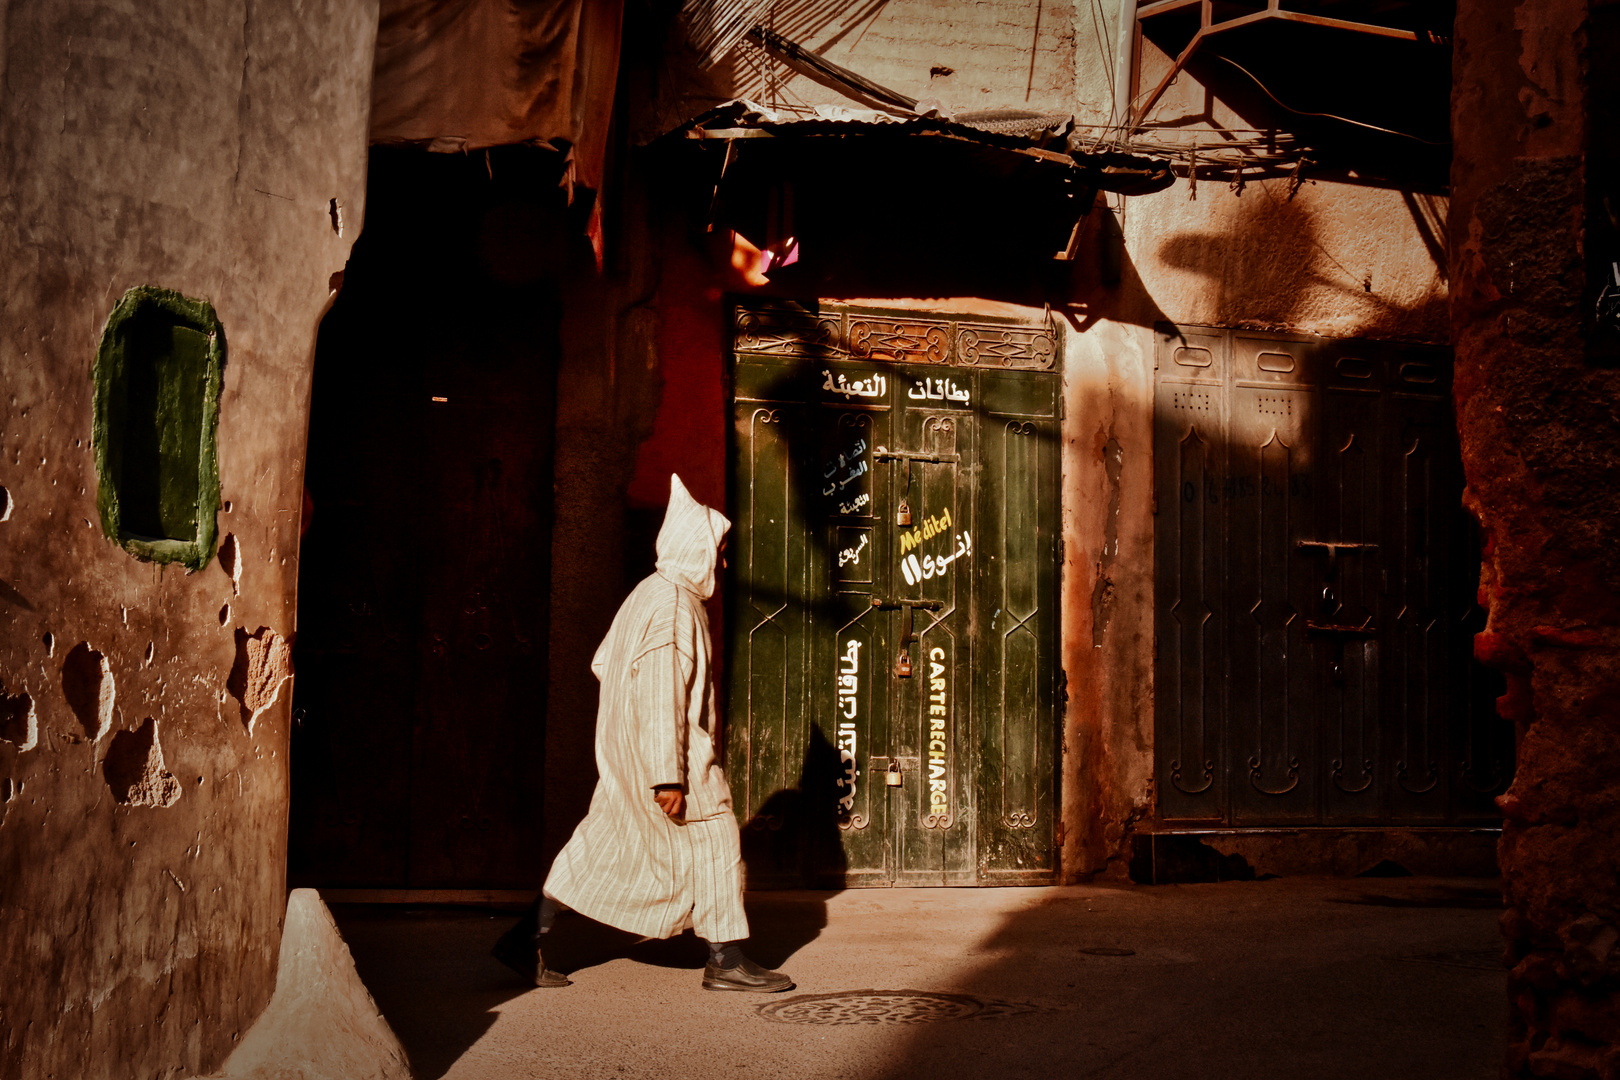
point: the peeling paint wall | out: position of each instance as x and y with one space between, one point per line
1107 592
142 827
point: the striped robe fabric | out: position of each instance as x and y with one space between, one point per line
628 863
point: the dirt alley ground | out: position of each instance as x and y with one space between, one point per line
1361 978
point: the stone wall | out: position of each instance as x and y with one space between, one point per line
218 151
1539 426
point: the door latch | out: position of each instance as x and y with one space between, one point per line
1333 548
908 633
883 453
903 513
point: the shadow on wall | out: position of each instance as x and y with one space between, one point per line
740 75
1272 262
884 217
860 225
1315 577
794 833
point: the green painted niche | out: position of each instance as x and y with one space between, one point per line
157 378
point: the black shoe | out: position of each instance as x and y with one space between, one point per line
524 957
745 976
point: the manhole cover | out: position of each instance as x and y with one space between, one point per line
887 1007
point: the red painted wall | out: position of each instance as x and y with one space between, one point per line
689 433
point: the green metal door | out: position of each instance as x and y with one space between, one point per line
892 621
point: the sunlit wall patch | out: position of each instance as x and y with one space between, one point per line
157 379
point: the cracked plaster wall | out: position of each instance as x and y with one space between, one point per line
142 837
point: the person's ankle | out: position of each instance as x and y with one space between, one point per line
727 955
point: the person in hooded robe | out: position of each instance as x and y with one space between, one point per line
659 850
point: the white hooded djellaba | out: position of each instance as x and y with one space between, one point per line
628 863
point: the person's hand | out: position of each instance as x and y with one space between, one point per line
670 800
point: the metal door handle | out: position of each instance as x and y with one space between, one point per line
1333 547
884 454
896 605
1366 629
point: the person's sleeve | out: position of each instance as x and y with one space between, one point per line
663 689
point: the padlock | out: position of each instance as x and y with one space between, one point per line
904 516
902 667
892 777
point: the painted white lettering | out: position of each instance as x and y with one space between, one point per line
852 554
854 504
938 738
847 682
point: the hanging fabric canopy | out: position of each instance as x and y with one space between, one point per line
460 75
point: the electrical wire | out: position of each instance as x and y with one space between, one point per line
1330 116
763 65
1098 23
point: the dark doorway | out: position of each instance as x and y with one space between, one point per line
418 747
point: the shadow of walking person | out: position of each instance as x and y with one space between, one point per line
792 845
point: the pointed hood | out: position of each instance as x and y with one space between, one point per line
689 542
